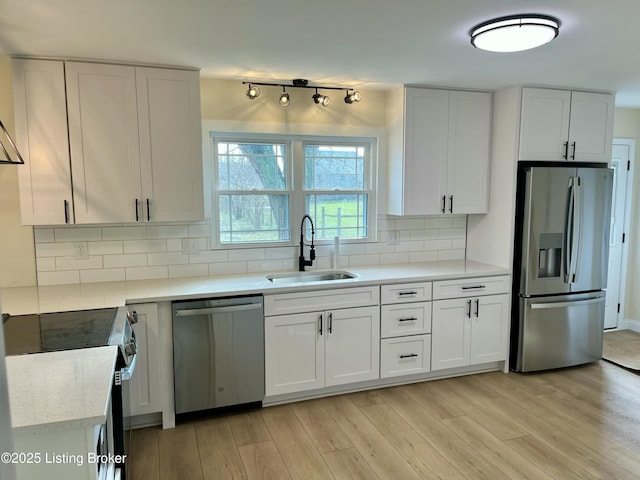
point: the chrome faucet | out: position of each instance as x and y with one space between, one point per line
303 262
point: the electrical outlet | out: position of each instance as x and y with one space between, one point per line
81 251
190 246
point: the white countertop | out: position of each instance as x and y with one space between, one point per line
60 390
25 300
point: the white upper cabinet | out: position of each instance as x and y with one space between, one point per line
170 144
439 143
103 137
559 125
42 138
134 138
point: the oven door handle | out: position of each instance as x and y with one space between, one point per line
127 372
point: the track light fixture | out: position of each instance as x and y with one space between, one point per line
284 98
352 96
320 99
253 92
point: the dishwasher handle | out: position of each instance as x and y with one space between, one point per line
212 310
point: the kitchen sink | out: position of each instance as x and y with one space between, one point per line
304 277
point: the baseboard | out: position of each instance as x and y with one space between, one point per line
630 325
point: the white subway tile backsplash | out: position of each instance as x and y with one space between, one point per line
78 234
44 235
124 233
128 252
102 275
105 248
146 273
126 260
173 258
194 270
145 246
71 263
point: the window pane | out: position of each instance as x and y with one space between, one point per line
254 218
334 167
248 166
343 216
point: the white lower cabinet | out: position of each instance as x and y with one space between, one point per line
305 351
469 331
145 389
405 355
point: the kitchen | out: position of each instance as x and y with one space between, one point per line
224 101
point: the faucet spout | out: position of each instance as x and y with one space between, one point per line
302 261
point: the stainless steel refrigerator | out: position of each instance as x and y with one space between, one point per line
560 265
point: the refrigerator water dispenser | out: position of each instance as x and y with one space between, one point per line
550 255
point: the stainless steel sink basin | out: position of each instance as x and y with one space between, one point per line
304 277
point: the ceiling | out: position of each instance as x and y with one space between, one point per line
370 44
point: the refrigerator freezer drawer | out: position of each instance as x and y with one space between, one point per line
560 331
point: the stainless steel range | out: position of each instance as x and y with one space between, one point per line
49 332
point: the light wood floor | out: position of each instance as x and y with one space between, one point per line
622 347
580 423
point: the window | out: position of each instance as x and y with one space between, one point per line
263 186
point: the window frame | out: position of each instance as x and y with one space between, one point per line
295 171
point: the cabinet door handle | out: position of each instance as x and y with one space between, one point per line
444 203
402 294
451 204
331 323
66 211
148 210
320 318
408 319
477 307
409 355
474 287
137 210
573 151
469 308
566 150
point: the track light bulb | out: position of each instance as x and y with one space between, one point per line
253 92
284 98
320 99
352 97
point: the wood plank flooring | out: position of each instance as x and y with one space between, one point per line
622 347
579 423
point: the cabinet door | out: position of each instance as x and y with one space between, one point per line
352 345
469 148
489 325
405 355
294 353
145 389
450 340
425 150
591 127
544 128
41 136
103 134
170 144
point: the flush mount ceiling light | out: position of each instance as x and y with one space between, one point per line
515 33
352 96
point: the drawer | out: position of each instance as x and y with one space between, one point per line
285 303
405 292
471 287
405 319
405 355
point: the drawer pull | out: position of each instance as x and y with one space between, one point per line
408 319
474 287
409 355
401 294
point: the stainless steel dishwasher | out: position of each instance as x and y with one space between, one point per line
218 353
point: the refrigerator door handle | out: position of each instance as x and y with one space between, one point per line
568 232
577 227
545 306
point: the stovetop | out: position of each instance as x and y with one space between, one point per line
49 332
